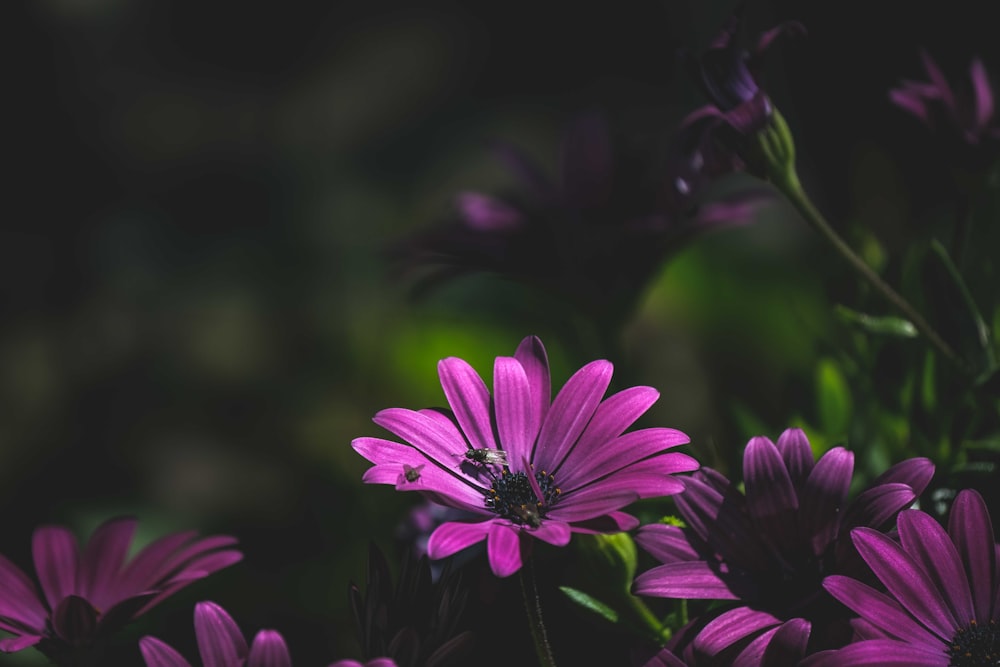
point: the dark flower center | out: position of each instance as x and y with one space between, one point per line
512 497
976 645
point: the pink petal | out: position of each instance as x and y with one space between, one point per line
452 537
503 546
517 421
469 399
56 555
571 410
220 641
158 654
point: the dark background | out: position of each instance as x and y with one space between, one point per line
195 313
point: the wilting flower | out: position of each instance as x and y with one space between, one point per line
418 621
770 549
969 113
594 237
86 595
527 466
942 605
220 643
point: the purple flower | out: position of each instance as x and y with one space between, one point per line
88 594
968 113
221 644
779 646
942 605
528 467
594 236
769 550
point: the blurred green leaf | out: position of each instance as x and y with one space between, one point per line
833 397
590 603
886 325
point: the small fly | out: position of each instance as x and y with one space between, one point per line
487 456
410 473
529 515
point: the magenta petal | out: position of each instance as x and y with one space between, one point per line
427 434
144 570
879 610
906 580
484 213
102 560
824 497
877 505
612 522
793 445
693 580
220 641
878 653
665 659
916 473
531 354
556 533
665 543
753 654
517 420
15 644
721 524
452 537
158 654
469 399
615 454
591 502
923 538
570 412
56 555
503 546
269 650
983 93
771 498
731 626
972 532
788 644
18 599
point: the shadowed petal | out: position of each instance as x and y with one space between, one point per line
916 473
788 644
793 445
665 543
469 399
972 531
906 580
102 560
983 95
693 580
771 498
158 654
484 213
220 642
723 526
730 627
503 546
612 522
452 537
269 650
56 555
923 538
875 506
570 412
877 653
824 496
880 610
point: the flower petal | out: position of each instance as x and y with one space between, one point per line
533 358
729 627
696 580
793 445
453 536
771 498
915 472
269 650
427 434
571 410
788 644
824 497
56 555
158 654
878 653
484 213
503 547
220 641
616 453
878 609
517 421
19 600
469 399
667 544
556 533
923 538
876 506
590 503
972 532
102 560
721 523
612 522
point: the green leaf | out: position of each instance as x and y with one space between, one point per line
590 603
886 325
834 398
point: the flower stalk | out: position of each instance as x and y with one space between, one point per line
533 607
778 149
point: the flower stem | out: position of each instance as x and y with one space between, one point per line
532 605
657 630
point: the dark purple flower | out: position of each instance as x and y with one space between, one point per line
88 594
779 646
968 113
942 605
595 235
769 549
527 466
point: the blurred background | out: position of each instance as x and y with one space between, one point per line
196 310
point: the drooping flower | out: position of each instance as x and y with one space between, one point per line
967 113
88 594
527 466
595 236
769 550
418 622
941 607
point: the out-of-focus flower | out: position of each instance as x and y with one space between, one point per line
942 605
86 595
770 549
527 466
594 237
968 113
220 643
418 621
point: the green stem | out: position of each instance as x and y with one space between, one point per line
644 614
800 200
533 606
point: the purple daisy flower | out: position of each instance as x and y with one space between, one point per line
779 646
942 607
88 594
770 549
528 467
971 113
594 235
221 644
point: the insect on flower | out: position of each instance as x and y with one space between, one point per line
411 473
529 515
487 456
